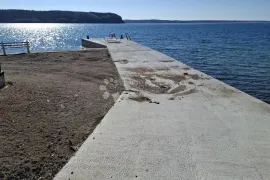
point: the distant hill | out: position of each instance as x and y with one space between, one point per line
27 16
176 21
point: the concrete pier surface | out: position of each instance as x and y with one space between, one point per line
173 122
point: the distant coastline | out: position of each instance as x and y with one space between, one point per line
184 21
28 16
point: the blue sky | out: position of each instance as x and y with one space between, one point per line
156 9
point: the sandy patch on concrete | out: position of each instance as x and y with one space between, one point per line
141 98
141 70
184 93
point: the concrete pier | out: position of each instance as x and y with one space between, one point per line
173 122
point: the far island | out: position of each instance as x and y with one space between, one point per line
27 16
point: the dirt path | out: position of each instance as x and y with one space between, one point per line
51 104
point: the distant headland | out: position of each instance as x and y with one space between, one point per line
29 16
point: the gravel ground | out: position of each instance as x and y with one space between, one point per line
52 102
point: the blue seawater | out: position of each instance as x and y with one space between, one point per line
236 53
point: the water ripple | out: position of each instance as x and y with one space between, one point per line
236 53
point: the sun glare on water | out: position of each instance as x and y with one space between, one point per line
34 25
42 36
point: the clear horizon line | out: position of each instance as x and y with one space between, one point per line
189 20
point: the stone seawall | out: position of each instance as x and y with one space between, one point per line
90 44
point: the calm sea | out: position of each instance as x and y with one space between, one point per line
236 53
